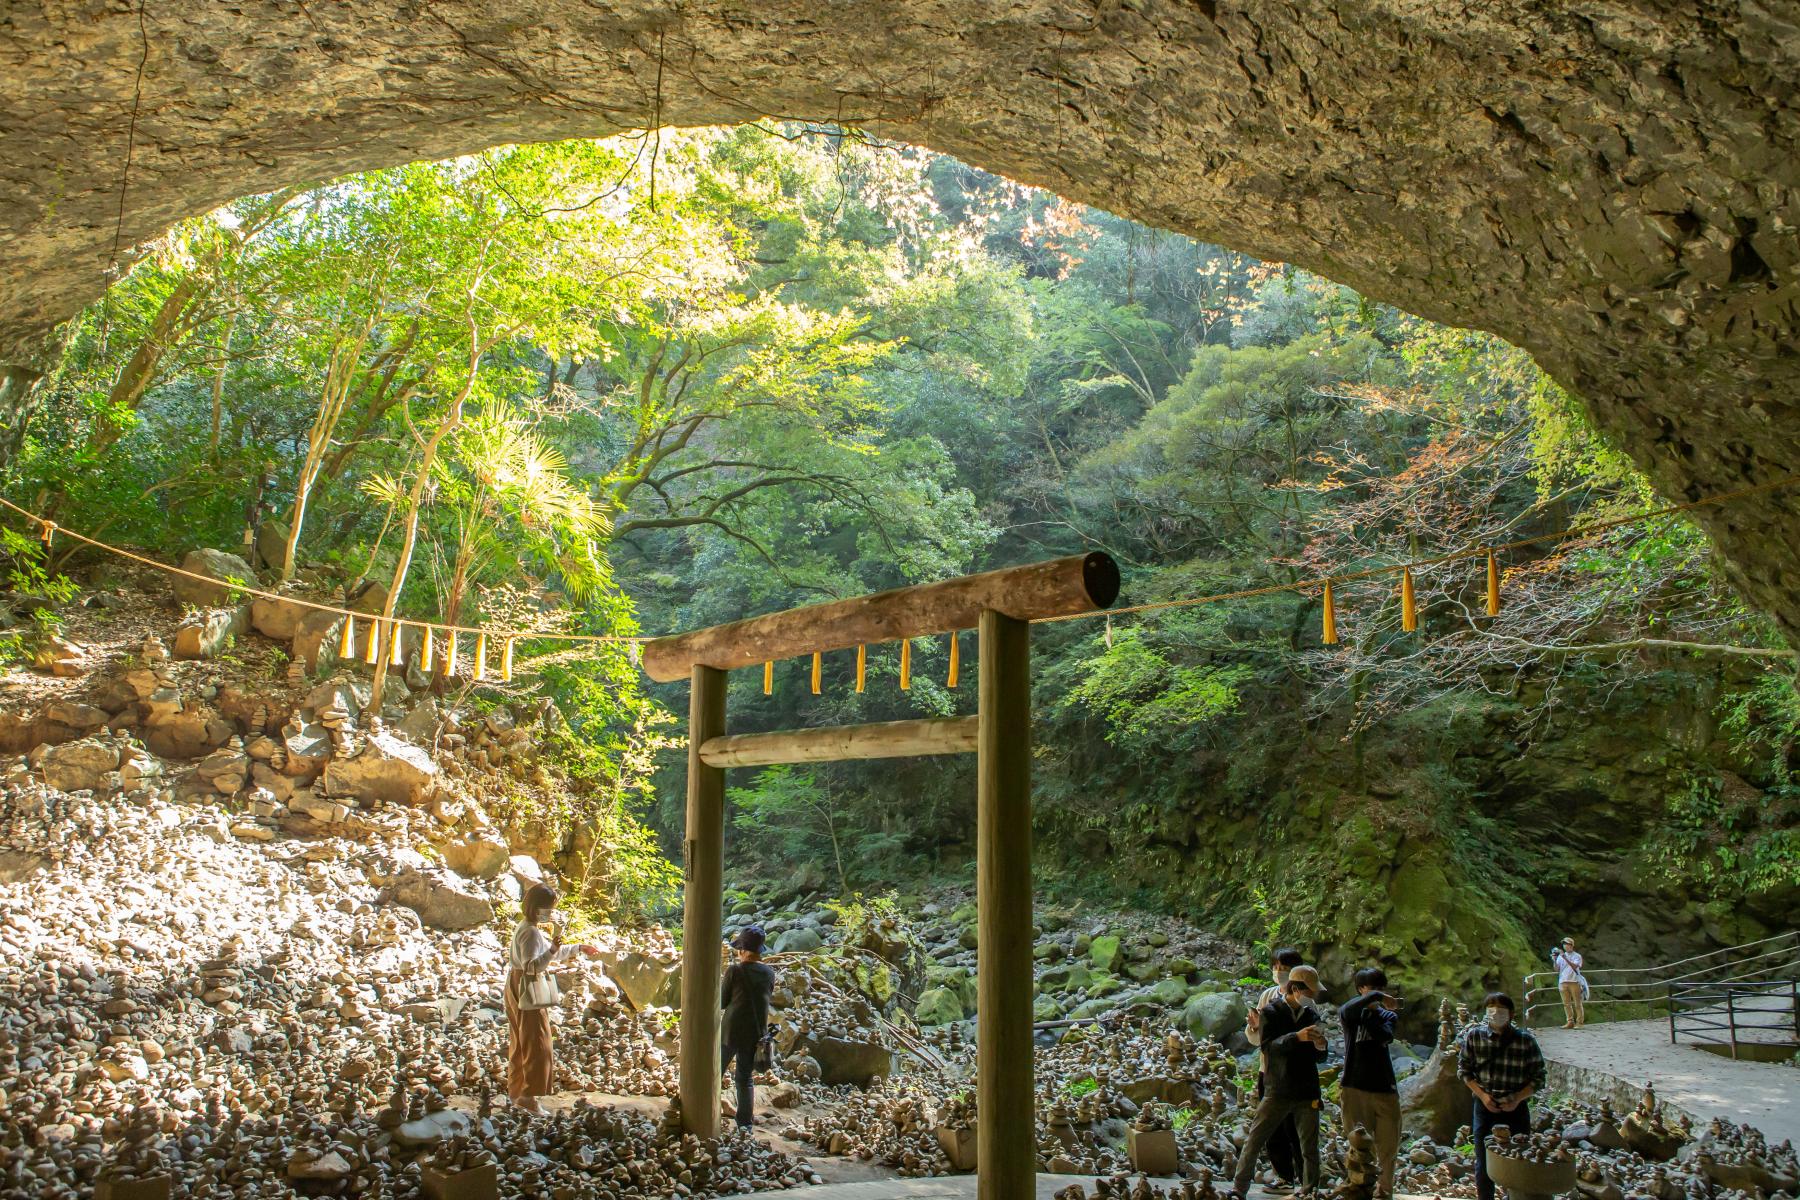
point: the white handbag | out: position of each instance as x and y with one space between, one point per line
540 991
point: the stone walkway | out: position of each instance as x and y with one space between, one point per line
1615 1058
952 1187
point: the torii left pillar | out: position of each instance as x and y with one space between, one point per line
703 911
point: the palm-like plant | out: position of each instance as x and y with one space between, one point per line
503 494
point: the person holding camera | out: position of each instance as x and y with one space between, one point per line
1293 1046
1370 1096
744 996
1503 1067
1571 983
530 1065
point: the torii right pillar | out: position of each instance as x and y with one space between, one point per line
1005 1099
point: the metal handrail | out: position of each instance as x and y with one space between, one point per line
1792 935
1696 1011
1746 967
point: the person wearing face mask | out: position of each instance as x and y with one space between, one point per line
1369 1095
1293 1046
1284 1145
1503 1067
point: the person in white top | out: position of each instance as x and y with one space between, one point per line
1571 983
529 1064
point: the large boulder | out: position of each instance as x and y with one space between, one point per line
798 940
316 635
1103 952
854 1062
477 856
84 765
441 900
938 1006
645 979
278 619
271 543
214 564
388 770
1215 1015
307 746
1433 1101
174 729
206 634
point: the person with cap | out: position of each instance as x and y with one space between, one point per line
1293 1046
1571 983
744 997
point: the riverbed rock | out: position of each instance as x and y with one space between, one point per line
477 855
214 564
842 1060
1215 1015
938 1006
82 765
441 899
387 770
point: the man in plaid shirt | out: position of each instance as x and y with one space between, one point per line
1503 1066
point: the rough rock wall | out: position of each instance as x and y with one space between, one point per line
1611 185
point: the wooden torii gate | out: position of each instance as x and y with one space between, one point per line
1000 605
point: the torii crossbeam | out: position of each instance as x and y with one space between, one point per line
1000 605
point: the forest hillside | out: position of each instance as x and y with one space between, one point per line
657 382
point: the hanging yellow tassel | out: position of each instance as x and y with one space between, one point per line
1330 634
1409 609
372 643
347 639
1493 605
955 660
768 679
1109 631
396 648
815 675
49 534
481 656
506 661
425 659
862 666
905 664
450 656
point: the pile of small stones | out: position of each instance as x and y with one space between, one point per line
251 1019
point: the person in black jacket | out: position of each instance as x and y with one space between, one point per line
1370 1096
744 997
1293 1046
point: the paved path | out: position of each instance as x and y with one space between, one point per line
1705 1085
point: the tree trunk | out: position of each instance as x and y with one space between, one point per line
452 418
218 389
139 370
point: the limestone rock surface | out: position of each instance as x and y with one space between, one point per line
1614 188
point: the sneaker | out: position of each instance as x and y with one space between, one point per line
1280 1187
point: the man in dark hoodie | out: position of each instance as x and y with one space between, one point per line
1369 1094
1293 1046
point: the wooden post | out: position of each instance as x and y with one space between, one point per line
1006 1127
703 910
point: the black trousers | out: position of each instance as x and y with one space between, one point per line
746 1089
1485 1122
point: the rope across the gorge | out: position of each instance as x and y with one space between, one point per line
50 529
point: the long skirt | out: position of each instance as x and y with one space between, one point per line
529 1066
